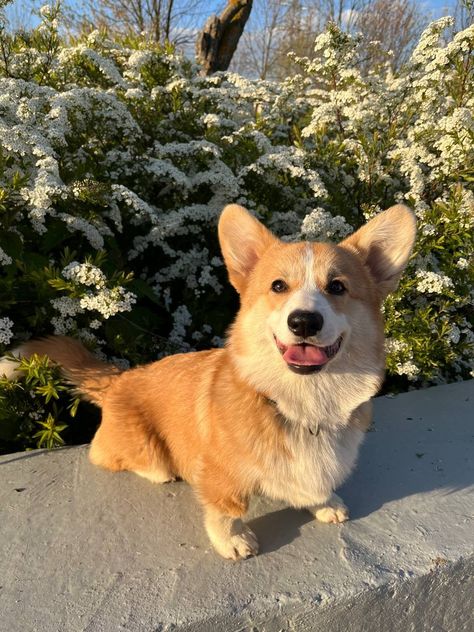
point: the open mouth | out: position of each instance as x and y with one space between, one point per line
305 358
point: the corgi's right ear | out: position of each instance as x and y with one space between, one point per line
243 240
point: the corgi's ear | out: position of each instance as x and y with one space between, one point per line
385 244
243 240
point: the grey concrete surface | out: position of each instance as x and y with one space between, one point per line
85 550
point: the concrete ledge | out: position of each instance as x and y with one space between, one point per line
82 549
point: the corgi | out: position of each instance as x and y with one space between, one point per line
281 410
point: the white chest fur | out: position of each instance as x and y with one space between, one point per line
315 467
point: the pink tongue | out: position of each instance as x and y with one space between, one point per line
305 354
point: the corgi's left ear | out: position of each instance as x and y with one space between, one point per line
385 244
243 240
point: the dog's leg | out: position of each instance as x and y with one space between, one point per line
123 442
225 504
230 536
333 510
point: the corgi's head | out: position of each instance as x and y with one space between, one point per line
313 308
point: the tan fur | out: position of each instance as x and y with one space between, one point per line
236 421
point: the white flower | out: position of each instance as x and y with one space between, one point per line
392 345
105 65
6 333
454 334
121 363
135 93
210 120
67 306
5 259
91 232
108 302
84 273
409 369
217 341
46 10
62 326
462 263
181 320
320 224
432 282
428 229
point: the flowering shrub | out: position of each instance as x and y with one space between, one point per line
116 159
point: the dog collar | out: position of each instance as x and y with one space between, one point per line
312 431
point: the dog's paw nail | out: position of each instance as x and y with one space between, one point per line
245 544
240 546
333 515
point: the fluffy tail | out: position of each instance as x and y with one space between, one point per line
90 376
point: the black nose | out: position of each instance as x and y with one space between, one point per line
305 324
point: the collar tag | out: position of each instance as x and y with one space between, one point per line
312 431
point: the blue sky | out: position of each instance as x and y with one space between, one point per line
20 10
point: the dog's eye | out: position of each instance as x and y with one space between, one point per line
279 286
336 287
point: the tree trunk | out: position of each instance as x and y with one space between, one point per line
218 40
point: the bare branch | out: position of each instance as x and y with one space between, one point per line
173 21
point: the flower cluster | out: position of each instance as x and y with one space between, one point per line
6 333
4 258
108 302
432 282
321 225
116 158
84 273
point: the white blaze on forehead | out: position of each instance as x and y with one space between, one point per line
306 298
309 281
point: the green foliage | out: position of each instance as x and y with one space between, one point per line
116 158
33 404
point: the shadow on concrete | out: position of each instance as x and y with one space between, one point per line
412 455
422 444
278 528
34 454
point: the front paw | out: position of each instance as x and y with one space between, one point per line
332 511
231 538
238 546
